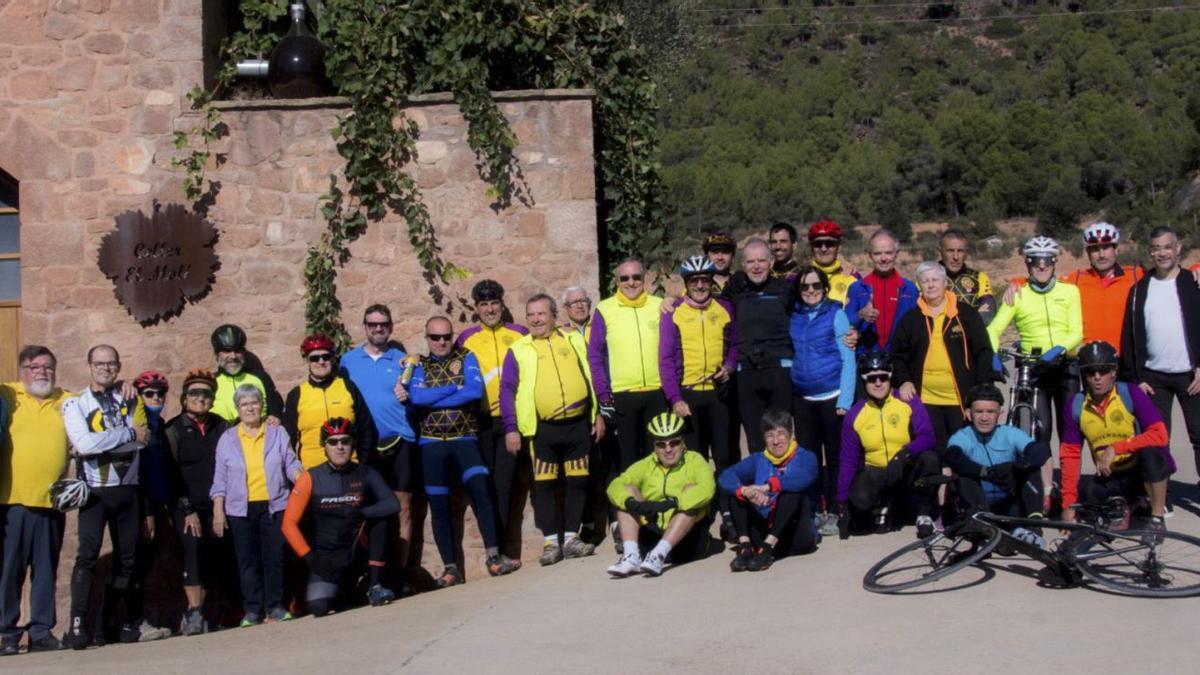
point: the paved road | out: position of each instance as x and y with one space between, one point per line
804 615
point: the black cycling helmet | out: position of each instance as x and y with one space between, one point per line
228 338
985 392
874 361
1097 354
487 289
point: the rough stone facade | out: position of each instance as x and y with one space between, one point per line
93 90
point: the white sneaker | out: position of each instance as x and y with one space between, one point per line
653 565
628 565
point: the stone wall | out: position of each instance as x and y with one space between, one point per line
93 90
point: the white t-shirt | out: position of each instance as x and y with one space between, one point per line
1166 343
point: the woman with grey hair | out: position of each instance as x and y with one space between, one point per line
940 351
255 469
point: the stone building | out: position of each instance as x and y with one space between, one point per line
92 92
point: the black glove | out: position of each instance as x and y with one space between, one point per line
636 507
323 564
843 520
662 505
1001 475
902 456
608 410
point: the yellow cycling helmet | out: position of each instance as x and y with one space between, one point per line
665 425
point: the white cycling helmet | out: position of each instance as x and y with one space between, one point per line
696 264
68 494
1040 247
1101 233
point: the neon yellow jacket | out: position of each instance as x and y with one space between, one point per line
489 345
690 482
623 346
1044 320
519 377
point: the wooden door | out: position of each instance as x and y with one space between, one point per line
10 279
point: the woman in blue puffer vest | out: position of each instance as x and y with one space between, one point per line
823 371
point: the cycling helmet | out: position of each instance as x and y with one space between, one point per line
1097 353
1040 247
200 376
1101 233
487 289
314 342
228 338
67 494
824 229
696 264
985 392
665 425
151 379
719 240
874 361
335 426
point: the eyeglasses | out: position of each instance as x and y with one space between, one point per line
107 365
439 337
317 358
339 440
152 393
876 378
624 278
377 325
580 301
814 286
825 243
670 443
39 368
199 393
1098 370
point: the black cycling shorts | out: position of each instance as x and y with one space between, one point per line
399 462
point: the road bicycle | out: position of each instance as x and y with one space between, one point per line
1139 562
1022 390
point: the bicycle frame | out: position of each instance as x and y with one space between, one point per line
1022 391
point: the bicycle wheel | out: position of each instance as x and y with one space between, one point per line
929 559
1023 418
1143 563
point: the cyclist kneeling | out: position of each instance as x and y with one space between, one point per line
887 452
771 510
1125 433
340 498
997 466
662 501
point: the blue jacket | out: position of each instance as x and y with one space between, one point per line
859 295
795 474
823 363
1006 444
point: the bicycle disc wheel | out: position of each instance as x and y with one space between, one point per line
929 559
1143 563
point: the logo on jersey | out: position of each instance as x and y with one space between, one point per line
967 284
455 367
893 420
1117 417
564 352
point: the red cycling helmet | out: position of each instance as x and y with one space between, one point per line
314 342
335 426
824 229
151 379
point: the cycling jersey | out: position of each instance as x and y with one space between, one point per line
1125 419
1102 300
447 391
974 288
307 407
100 426
489 345
191 459
892 295
336 502
546 379
623 348
376 381
874 432
223 404
1045 320
1006 444
839 281
657 482
694 342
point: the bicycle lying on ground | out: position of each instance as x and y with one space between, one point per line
1138 562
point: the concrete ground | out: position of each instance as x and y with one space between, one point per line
804 615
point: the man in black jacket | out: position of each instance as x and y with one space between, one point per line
1160 337
941 372
762 306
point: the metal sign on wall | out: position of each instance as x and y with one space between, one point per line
160 262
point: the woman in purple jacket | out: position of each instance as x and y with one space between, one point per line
255 469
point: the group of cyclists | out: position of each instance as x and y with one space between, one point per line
854 391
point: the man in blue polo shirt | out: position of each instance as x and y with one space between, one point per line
376 367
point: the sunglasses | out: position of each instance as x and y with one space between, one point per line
1040 262
629 277
317 358
153 393
876 378
439 337
1098 370
663 445
826 243
815 286
339 440
199 393
375 325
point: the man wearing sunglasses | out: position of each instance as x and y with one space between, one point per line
235 367
662 503
825 243
323 395
152 387
887 451
1125 434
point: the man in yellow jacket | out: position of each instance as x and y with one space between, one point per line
662 503
546 396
